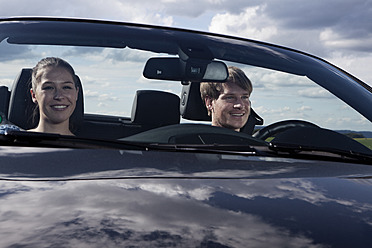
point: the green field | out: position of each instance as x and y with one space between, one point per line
365 141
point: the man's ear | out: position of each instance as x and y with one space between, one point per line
208 102
33 95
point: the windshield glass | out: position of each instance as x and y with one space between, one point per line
111 78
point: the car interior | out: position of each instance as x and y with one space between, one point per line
150 109
175 114
155 118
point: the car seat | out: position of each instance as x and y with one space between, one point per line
4 100
21 106
152 108
193 108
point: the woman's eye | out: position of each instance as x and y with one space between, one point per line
47 88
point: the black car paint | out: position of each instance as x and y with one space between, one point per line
209 200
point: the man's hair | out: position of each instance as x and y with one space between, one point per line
214 89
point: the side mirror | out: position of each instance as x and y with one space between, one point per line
194 70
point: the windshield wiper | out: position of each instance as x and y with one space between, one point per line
23 138
321 153
209 148
35 139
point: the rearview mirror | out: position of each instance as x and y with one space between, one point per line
194 70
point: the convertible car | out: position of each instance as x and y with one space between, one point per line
147 169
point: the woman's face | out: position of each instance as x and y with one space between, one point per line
55 94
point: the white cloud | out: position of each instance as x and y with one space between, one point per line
147 11
334 40
319 27
304 108
358 64
250 23
314 93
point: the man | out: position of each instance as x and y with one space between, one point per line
228 103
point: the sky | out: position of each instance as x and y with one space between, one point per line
338 31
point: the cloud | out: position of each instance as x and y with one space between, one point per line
318 27
303 26
138 216
334 40
9 52
273 80
127 55
304 108
100 96
76 51
134 11
314 93
251 23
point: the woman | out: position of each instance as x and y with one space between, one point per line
55 93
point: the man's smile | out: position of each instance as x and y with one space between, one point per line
237 114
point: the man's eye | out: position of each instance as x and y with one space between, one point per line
47 88
245 97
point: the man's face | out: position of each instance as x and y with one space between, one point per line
231 109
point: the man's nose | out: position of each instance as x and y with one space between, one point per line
239 103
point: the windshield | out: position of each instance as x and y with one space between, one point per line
111 78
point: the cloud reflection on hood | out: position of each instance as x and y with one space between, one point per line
152 213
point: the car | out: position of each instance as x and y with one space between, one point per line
147 169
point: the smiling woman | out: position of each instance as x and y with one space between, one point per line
55 93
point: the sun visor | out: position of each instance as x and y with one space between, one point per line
194 70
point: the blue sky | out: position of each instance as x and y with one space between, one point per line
338 31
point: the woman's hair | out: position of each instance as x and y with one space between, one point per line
214 89
37 73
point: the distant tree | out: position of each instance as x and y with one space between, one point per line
354 135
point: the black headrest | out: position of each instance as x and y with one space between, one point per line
156 108
192 108
21 106
4 100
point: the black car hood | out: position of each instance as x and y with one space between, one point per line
158 213
298 212
139 199
32 163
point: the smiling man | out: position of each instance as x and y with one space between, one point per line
228 103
